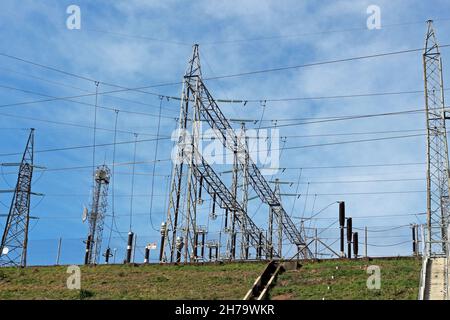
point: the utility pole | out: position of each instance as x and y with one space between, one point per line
437 148
13 248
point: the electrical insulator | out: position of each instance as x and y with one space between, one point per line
341 213
355 244
179 243
349 229
163 228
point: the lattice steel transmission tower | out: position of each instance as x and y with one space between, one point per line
96 215
13 248
437 148
191 173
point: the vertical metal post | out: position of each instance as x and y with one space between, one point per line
134 247
365 242
349 238
203 245
195 245
417 240
217 251
59 251
247 245
316 239
270 234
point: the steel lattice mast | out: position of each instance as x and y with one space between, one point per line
13 248
96 215
192 170
437 148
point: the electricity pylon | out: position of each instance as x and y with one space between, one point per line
437 148
192 172
13 248
96 215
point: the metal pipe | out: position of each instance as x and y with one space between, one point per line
365 241
59 251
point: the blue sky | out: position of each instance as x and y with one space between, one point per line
139 43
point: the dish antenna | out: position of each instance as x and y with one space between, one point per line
5 251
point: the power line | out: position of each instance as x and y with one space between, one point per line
357 193
85 146
279 37
140 37
345 118
355 166
321 63
69 124
69 99
57 83
248 73
222 100
353 181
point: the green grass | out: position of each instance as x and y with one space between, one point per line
399 280
227 281
322 280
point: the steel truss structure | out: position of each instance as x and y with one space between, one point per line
437 148
192 173
96 215
13 248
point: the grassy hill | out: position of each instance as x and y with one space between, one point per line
399 280
346 280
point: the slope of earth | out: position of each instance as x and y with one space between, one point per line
209 281
347 280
